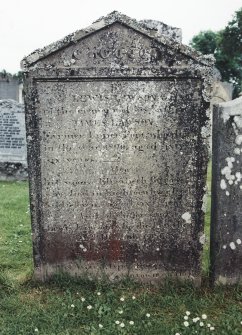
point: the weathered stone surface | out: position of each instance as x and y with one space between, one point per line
116 126
163 29
226 235
13 151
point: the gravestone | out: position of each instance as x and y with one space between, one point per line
116 130
226 220
13 151
222 91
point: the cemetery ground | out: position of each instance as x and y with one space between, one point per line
71 306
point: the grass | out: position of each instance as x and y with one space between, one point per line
61 305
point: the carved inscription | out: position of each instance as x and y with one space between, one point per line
109 153
131 54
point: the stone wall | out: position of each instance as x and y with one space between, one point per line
9 88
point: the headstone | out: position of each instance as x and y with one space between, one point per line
226 220
116 130
222 91
13 151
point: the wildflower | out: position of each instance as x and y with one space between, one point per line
121 324
177 334
83 299
117 322
212 328
186 323
98 293
204 316
89 307
185 317
195 319
100 325
188 313
131 323
201 324
133 297
208 325
122 299
121 312
36 330
72 306
148 315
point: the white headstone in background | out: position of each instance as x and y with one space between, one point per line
13 152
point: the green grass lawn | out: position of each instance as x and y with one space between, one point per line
78 306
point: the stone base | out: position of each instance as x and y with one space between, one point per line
222 280
113 272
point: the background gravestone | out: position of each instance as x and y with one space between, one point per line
13 151
116 129
226 234
222 91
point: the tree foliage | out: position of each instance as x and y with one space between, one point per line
226 46
7 75
205 42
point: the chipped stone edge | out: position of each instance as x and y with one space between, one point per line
111 18
171 32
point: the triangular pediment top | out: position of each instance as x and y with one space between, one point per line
144 27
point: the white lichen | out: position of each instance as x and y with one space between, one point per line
238 175
204 204
202 239
187 217
223 185
238 121
237 151
238 139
